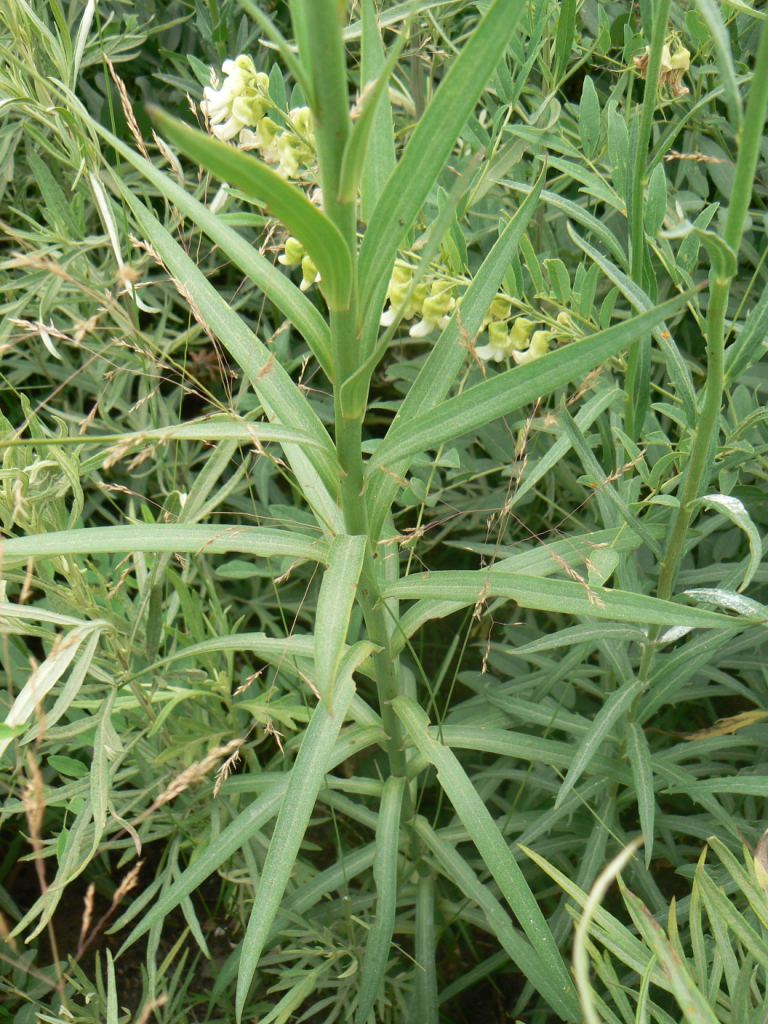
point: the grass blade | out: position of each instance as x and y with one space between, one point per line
193 539
368 152
380 159
378 946
459 873
289 299
444 362
425 949
334 607
612 711
564 596
639 754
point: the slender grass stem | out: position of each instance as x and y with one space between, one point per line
638 361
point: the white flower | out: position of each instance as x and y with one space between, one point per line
397 293
293 253
538 347
239 102
503 343
436 310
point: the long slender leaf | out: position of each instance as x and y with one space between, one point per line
613 709
379 941
518 949
370 146
281 398
289 299
380 158
564 596
334 607
192 539
449 354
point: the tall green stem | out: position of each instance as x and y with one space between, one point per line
323 34
704 441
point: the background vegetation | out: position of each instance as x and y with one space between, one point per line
569 653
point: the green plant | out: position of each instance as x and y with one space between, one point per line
423 764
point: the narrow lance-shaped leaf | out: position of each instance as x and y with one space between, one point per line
563 596
485 834
639 754
507 392
303 785
318 234
456 869
362 145
380 156
612 711
425 947
379 940
194 538
334 607
432 142
281 398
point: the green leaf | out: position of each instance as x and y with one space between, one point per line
432 142
288 57
380 159
289 299
485 834
459 873
378 945
334 608
735 511
425 949
304 783
69 767
589 118
507 392
318 234
562 596
639 300
693 1004
317 471
192 538
370 148
656 202
639 754
613 709
564 36
727 73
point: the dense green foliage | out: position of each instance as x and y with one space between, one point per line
382 503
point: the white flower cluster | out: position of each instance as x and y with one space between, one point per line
237 109
515 337
432 301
